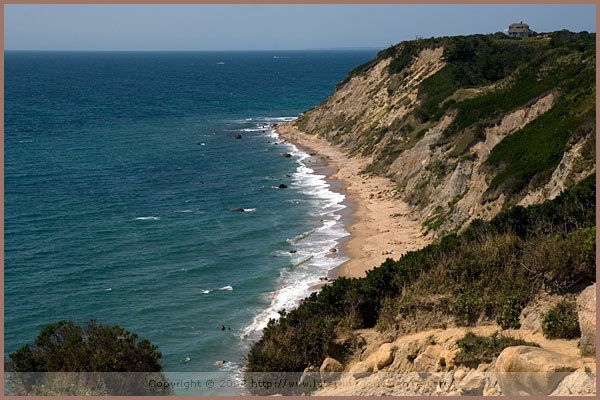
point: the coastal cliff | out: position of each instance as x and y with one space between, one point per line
467 126
487 145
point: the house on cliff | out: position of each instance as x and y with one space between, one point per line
519 29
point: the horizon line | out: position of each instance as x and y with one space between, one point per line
203 50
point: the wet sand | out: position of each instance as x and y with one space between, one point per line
380 224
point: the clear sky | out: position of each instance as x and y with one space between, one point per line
267 27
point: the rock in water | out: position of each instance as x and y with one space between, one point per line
287 155
586 314
237 210
282 186
531 371
333 250
238 136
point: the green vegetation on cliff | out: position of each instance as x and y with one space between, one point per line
561 322
487 272
480 80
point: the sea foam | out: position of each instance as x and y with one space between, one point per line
312 246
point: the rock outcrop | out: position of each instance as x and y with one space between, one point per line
384 356
428 360
586 313
519 370
527 370
580 383
330 369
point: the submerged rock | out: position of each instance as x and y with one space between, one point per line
287 155
238 136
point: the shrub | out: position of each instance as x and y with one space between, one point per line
509 318
561 322
476 349
489 271
68 348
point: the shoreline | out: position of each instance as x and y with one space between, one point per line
380 225
321 166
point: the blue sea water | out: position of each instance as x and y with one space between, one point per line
121 170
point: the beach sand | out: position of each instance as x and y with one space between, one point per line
382 225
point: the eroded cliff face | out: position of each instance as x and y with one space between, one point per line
446 178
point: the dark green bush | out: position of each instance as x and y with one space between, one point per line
476 349
69 348
509 319
561 322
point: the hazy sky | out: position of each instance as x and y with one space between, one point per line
262 27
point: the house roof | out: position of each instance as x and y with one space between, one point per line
518 27
519 24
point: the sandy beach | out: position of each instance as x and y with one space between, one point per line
382 225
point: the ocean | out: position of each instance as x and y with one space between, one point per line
121 170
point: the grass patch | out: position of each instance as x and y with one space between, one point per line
537 149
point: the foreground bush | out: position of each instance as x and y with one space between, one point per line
561 322
68 359
490 271
476 349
